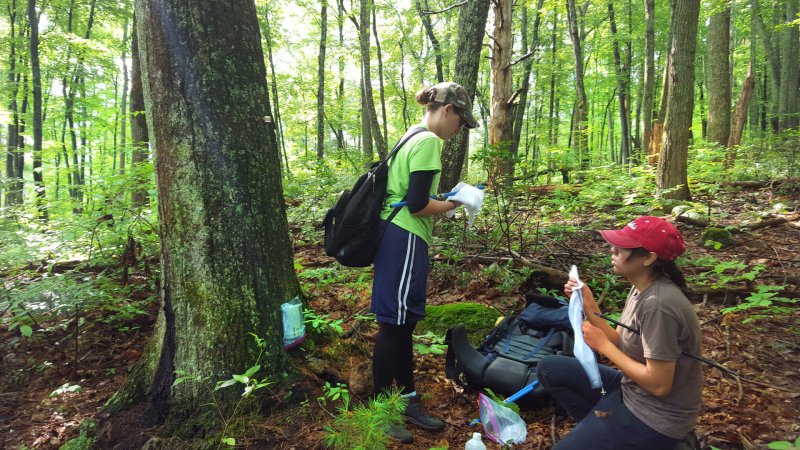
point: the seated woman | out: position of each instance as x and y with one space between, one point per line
652 400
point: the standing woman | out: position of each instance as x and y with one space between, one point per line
653 399
401 262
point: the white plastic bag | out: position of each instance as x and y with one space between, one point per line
582 351
294 330
501 423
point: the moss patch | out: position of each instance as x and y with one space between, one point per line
478 319
716 234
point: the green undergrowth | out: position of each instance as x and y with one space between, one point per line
477 319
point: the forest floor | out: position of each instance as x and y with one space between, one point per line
760 407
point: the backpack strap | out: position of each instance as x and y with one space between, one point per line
541 344
411 133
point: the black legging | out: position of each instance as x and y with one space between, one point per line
393 358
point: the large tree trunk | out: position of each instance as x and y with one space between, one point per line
217 165
674 150
369 102
623 79
36 73
790 47
323 35
471 24
580 112
500 118
140 139
718 76
657 136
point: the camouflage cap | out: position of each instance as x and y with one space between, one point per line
455 94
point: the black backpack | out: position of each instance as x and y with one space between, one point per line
352 230
506 360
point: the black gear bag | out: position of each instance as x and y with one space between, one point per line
352 226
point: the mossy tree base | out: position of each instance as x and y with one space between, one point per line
478 319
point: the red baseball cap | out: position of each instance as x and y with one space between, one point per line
654 234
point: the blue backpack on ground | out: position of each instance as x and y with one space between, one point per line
506 360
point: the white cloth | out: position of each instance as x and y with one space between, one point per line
469 196
582 351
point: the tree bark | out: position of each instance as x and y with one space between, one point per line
217 165
140 139
623 80
471 24
323 35
672 163
500 117
381 90
580 112
36 73
276 113
718 76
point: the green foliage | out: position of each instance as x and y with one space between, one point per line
429 343
249 382
764 299
784 445
512 406
86 438
65 389
722 273
334 393
363 426
321 323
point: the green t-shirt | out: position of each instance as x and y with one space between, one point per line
421 152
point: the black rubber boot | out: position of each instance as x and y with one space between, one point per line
415 414
399 433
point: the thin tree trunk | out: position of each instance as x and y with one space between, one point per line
773 56
276 113
369 102
38 179
623 76
471 25
380 73
323 35
426 23
740 118
672 164
123 132
366 129
529 52
790 63
718 76
580 113
140 139
13 187
552 120
649 70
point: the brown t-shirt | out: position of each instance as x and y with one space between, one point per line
668 325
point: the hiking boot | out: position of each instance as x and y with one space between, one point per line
416 415
398 433
690 442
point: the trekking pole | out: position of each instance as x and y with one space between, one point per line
440 196
691 355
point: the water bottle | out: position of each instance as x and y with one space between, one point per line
475 443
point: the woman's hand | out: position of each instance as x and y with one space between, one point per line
595 337
589 305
